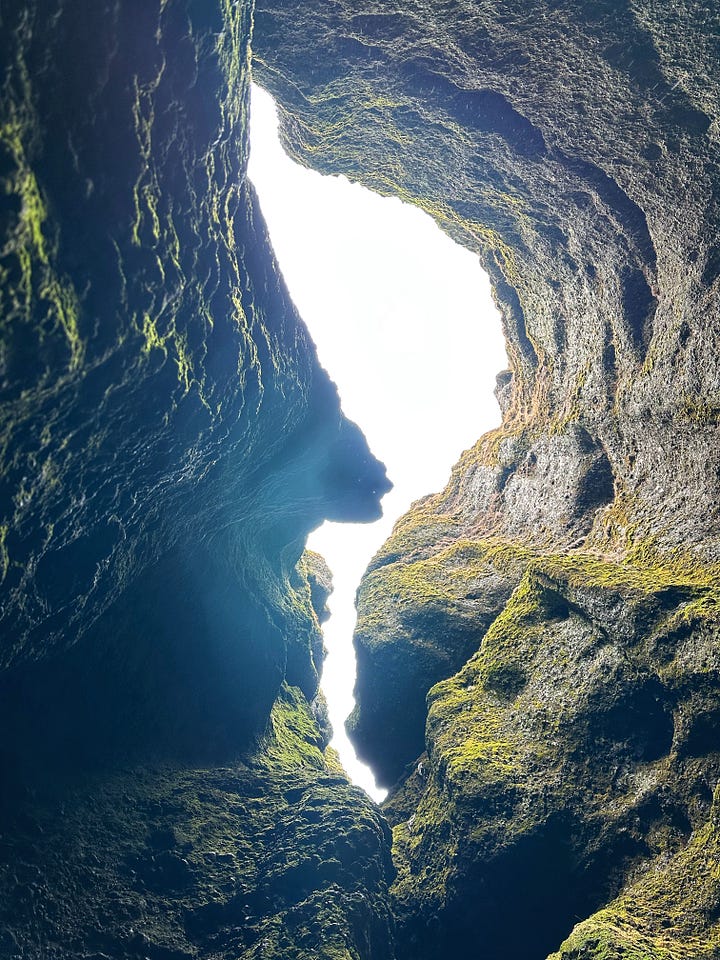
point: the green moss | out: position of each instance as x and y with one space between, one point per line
447 575
414 843
251 860
571 409
520 613
486 748
153 340
669 914
466 721
293 739
39 282
499 668
700 410
501 732
444 578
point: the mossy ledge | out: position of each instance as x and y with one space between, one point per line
276 855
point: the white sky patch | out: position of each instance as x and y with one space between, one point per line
404 323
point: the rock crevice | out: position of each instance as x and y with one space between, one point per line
537 642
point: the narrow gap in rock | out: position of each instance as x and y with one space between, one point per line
404 322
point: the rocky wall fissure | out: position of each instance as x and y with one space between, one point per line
167 441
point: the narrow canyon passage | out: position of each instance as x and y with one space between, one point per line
537 642
404 323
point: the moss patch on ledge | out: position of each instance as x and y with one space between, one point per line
577 742
448 574
294 740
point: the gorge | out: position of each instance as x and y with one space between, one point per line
374 278
537 644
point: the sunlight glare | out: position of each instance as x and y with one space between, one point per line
404 323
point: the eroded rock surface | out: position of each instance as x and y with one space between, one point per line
557 604
278 856
167 441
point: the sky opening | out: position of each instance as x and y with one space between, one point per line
405 325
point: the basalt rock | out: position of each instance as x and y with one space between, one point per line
538 644
168 435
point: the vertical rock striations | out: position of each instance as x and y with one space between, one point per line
557 603
163 411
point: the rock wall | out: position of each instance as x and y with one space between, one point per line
164 414
538 644
276 856
167 441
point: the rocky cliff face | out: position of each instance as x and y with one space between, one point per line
274 856
168 439
538 644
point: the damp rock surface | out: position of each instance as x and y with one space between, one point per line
169 437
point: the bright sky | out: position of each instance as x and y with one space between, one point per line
404 323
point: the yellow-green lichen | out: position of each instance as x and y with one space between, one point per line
39 281
293 737
447 574
670 913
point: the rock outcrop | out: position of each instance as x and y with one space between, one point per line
168 440
537 644
557 604
276 856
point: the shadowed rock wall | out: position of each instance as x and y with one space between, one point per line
164 412
538 644
167 441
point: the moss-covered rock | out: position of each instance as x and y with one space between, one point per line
274 856
167 435
167 440
557 603
670 913
561 760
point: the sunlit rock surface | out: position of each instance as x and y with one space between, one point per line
557 604
167 441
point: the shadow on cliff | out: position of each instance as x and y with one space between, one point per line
187 663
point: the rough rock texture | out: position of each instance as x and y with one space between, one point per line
278 856
163 410
558 602
167 441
